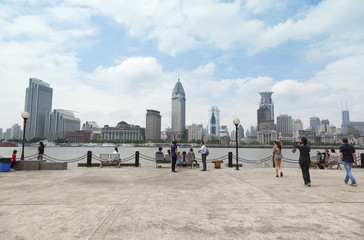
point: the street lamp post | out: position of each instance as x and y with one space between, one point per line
236 122
25 116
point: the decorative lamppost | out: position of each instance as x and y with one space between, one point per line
25 116
236 122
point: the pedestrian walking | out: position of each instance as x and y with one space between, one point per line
174 155
277 156
203 156
304 160
348 156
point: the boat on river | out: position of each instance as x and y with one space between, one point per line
8 144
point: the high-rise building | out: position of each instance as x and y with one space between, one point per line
284 125
153 125
345 116
240 132
324 126
60 122
16 131
38 101
224 131
252 131
195 132
315 124
266 108
7 134
298 125
1 134
178 112
214 121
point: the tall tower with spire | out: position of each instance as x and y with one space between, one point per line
178 112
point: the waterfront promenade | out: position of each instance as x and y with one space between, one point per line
150 203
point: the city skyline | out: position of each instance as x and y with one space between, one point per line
110 66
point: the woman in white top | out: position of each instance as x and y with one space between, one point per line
116 155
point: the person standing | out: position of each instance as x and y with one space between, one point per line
13 161
174 155
347 156
40 152
203 155
178 160
277 156
304 160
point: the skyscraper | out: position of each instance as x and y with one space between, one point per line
298 125
178 112
284 125
315 124
60 122
214 121
195 132
38 101
345 116
153 125
16 131
240 132
324 126
266 108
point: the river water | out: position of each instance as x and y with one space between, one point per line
67 153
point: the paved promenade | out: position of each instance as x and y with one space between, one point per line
150 203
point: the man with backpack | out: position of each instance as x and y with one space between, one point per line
203 152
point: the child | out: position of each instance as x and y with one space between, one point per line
13 161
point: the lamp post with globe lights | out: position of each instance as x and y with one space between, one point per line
236 122
25 116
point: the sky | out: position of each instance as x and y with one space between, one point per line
109 61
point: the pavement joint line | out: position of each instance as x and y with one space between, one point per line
119 204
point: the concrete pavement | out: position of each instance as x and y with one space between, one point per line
150 203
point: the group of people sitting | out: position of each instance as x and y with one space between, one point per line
327 158
168 155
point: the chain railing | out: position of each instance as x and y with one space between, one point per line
152 159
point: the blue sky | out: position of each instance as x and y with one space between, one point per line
111 60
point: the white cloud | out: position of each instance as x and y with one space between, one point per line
184 25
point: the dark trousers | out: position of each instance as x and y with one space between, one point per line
174 159
203 156
305 167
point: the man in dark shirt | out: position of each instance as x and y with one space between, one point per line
174 155
304 160
347 156
160 151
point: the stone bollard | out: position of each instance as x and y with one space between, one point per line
89 158
230 159
137 159
184 156
362 160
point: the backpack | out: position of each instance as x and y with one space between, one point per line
207 152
